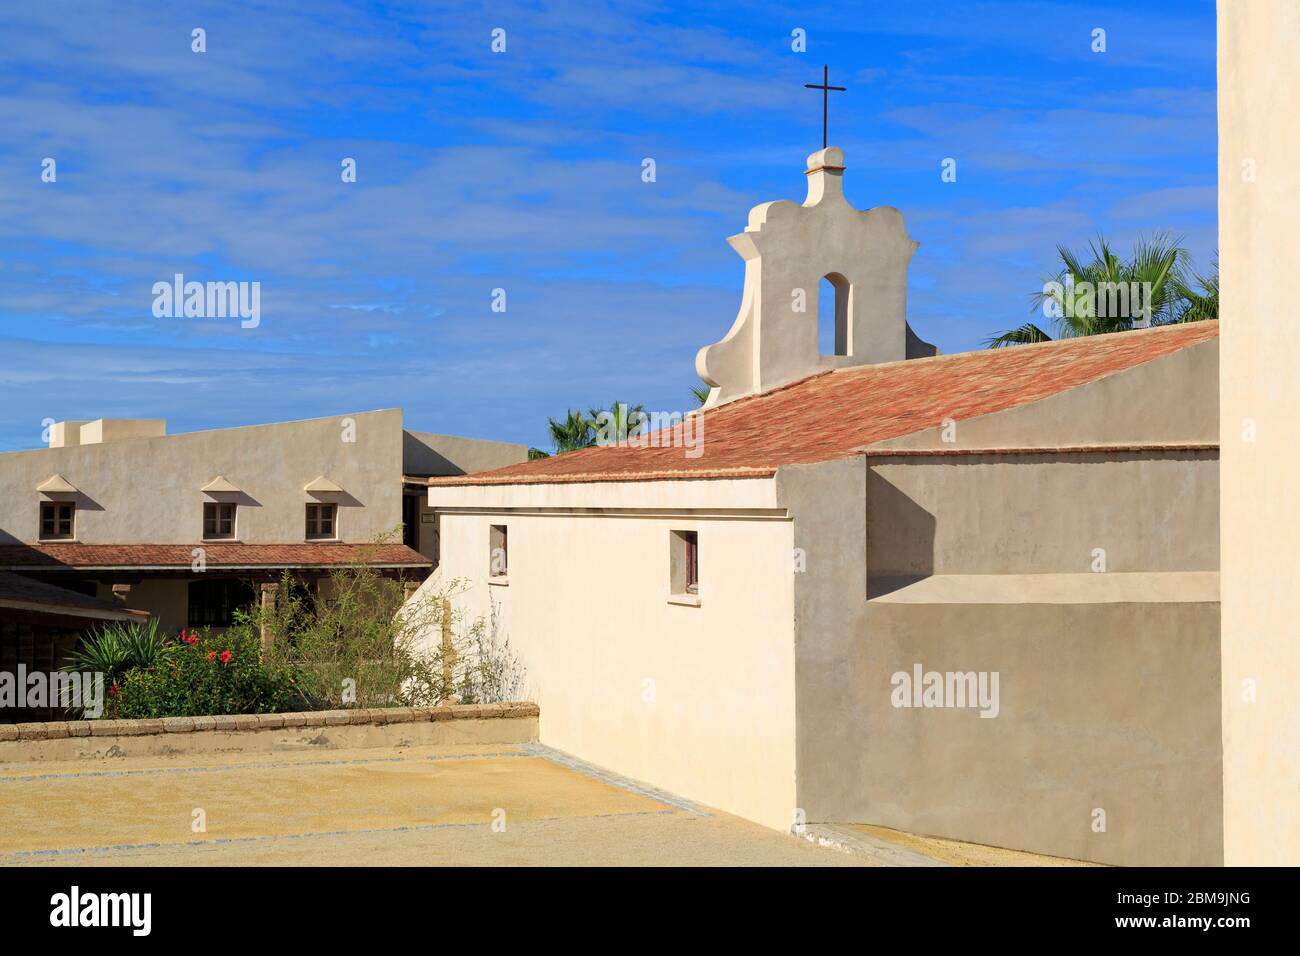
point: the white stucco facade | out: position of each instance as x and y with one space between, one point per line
697 699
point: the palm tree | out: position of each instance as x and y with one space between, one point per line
617 423
1109 294
572 433
701 393
1198 305
599 425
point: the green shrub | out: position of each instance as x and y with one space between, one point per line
343 643
118 647
203 676
357 644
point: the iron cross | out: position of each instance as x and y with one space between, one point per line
825 87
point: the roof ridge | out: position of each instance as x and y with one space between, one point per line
834 413
1078 340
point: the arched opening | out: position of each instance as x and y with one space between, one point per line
833 302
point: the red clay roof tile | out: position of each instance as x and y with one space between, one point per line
314 554
837 414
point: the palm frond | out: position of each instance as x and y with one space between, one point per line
571 434
1027 334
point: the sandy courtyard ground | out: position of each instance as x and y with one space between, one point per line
467 805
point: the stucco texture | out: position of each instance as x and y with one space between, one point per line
1259 208
696 699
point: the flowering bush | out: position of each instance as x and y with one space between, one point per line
220 674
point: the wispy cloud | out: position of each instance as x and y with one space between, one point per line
522 171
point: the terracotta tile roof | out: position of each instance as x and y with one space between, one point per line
312 554
837 414
17 591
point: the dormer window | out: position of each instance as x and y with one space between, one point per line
57 520
218 520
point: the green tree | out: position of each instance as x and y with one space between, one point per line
617 423
1109 294
578 430
571 434
1201 303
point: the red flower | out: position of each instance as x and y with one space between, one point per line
113 691
211 654
226 656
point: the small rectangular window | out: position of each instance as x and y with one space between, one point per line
498 557
320 521
57 519
218 520
684 562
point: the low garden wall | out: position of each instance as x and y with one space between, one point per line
513 722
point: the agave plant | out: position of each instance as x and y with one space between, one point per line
119 647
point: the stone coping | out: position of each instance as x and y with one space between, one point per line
377 716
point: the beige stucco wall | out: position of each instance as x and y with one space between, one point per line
1108 681
1042 513
1259 209
146 490
696 700
1102 707
427 453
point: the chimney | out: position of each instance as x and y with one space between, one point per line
66 434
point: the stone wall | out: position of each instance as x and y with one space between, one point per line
512 722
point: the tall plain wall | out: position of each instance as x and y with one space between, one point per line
1105 746
696 700
1106 741
1259 214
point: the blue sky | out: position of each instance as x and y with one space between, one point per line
522 170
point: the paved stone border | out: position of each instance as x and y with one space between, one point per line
377 716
